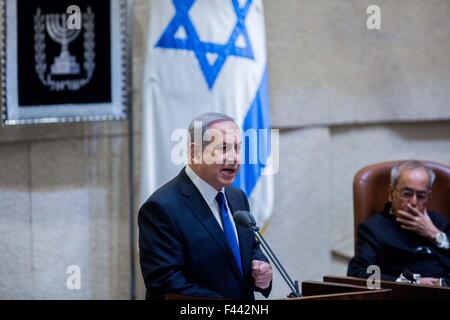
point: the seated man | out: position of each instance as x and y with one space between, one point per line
405 236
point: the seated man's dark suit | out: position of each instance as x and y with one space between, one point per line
382 242
183 250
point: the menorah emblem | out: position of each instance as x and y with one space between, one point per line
59 32
65 63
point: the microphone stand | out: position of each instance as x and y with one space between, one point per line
292 285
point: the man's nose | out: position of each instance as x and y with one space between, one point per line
413 200
232 156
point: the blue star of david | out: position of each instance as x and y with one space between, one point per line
193 43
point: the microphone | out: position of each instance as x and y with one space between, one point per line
246 220
409 276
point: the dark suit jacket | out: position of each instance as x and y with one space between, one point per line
382 242
183 250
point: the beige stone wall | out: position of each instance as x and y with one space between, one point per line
327 68
64 201
343 96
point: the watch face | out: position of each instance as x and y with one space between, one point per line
440 237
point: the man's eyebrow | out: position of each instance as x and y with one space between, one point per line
231 144
409 189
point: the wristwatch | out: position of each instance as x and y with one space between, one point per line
441 240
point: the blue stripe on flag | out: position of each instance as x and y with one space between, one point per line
258 117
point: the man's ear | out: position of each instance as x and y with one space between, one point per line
194 154
391 193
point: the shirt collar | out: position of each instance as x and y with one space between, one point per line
207 191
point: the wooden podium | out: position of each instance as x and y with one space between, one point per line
350 288
315 290
400 291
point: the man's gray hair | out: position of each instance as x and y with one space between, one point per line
207 120
397 170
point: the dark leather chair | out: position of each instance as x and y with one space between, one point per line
371 190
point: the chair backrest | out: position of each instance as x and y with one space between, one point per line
371 189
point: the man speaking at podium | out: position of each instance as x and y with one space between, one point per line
189 244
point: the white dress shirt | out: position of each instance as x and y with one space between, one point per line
209 194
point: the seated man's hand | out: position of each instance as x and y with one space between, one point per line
261 273
418 222
430 281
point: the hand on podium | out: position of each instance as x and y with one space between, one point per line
433 281
261 273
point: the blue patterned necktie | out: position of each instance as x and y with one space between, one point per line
228 230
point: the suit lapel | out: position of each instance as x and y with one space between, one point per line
199 208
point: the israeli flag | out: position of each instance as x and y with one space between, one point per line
207 56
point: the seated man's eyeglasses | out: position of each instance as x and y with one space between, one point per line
408 194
